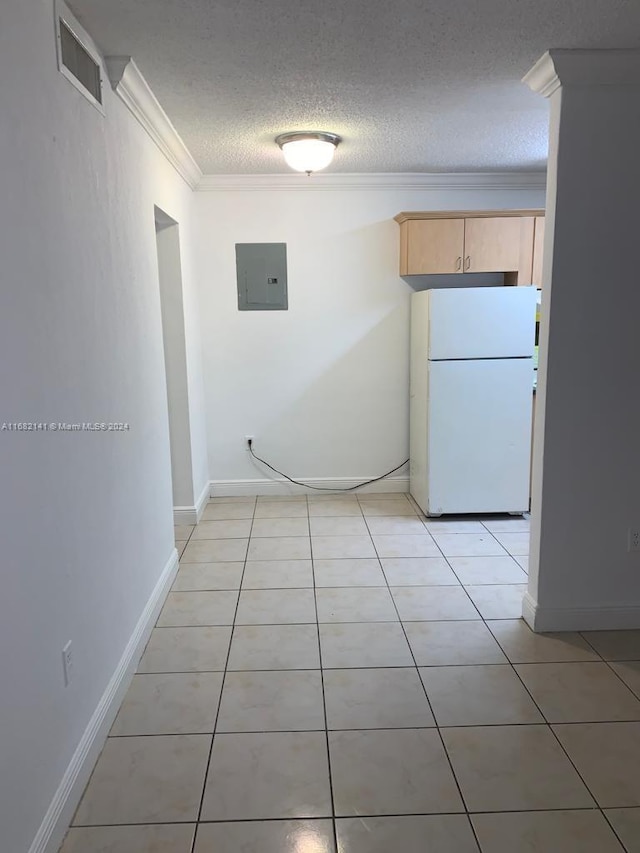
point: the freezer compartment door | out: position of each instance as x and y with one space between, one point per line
481 322
479 435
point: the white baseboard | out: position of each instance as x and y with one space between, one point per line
529 607
65 801
541 619
185 515
192 514
249 488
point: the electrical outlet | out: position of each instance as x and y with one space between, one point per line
247 439
634 539
67 664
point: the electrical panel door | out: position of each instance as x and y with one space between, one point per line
262 276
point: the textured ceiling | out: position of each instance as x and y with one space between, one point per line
411 85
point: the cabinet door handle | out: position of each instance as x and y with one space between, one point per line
458 264
467 262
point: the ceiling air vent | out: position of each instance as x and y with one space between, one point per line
80 66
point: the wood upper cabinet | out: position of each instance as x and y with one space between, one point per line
497 244
461 242
432 246
538 248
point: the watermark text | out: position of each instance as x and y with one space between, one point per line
61 426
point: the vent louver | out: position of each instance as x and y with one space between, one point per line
79 62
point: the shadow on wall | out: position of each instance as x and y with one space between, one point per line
468 279
352 420
370 252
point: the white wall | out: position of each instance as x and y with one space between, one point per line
193 351
86 518
324 386
586 494
175 360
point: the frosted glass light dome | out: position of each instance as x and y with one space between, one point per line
308 151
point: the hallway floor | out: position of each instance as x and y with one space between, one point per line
337 670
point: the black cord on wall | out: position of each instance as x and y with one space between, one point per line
323 488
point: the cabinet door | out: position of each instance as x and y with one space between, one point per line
432 246
492 244
538 246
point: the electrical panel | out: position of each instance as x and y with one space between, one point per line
262 276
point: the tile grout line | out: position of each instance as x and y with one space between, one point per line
224 675
436 543
350 622
72 823
473 604
484 621
546 722
371 728
435 720
608 663
350 817
324 698
548 725
602 808
186 542
322 668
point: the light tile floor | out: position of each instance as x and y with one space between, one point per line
337 674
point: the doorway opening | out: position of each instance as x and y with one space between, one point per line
175 359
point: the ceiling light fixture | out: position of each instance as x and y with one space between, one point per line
308 151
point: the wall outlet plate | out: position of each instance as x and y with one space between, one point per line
247 439
634 539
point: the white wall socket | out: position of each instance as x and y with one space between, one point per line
634 539
246 441
67 664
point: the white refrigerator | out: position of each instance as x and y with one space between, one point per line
471 396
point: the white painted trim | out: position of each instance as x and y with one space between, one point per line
134 91
185 515
543 78
192 514
541 619
583 68
63 13
417 181
529 607
249 488
202 501
65 801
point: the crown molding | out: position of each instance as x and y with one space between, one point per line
543 78
134 91
583 68
383 181
132 88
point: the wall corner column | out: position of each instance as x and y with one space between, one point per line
586 477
